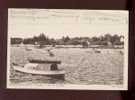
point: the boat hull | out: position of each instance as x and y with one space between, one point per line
59 74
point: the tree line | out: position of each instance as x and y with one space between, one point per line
42 39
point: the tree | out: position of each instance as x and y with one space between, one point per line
65 39
108 37
85 44
28 41
42 37
116 39
94 39
16 40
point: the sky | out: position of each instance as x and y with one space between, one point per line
56 23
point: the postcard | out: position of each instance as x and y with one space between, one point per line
67 49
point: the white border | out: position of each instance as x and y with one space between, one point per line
75 87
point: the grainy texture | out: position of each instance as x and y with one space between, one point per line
82 66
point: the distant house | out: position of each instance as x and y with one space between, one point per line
122 41
36 43
109 43
121 38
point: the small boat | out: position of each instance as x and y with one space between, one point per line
35 67
39 72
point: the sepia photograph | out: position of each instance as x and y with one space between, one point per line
77 49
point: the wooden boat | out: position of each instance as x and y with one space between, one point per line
34 67
39 72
